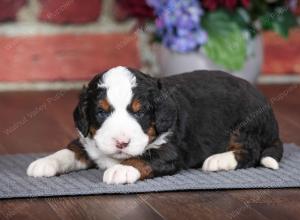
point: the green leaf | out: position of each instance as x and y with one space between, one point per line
226 44
281 29
243 20
241 17
280 20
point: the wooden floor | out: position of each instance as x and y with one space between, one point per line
42 121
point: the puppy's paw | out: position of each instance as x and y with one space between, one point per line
269 162
222 161
43 167
121 174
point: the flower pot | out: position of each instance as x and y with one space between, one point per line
172 63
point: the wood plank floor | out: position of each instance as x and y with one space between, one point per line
42 121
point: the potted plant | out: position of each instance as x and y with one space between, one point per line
216 34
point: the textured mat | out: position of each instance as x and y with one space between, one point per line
15 184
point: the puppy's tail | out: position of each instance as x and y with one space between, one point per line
272 154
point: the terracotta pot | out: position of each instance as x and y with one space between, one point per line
172 63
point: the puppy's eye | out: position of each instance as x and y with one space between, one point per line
102 113
139 113
104 109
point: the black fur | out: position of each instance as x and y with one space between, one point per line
80 114
207 112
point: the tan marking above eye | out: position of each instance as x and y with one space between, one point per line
136 105
104 105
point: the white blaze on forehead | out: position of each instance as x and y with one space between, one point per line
119 82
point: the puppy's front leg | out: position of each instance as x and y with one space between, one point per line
72 158
153 163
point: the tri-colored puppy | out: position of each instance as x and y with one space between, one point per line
138 127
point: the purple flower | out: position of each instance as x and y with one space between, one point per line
292 4
178 24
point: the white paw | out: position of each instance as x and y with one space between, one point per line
44 167
222 161
269 162
121 174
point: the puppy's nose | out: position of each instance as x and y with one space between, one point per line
122 144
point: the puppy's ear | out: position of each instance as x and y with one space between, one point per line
164 111
80 113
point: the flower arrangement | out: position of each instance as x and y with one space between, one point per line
178 26
221 28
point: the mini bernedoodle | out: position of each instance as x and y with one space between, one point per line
137 127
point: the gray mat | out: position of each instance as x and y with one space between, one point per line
15 184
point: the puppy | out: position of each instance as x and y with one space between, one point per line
138 127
